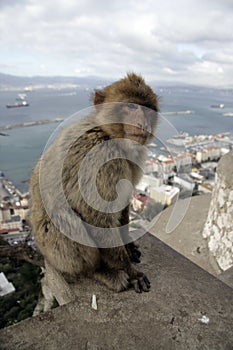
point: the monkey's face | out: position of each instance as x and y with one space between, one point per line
130 106
127 120
138 122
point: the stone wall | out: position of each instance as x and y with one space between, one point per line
186 308
218 229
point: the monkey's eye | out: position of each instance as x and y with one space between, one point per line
131 105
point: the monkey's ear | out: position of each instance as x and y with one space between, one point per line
98 97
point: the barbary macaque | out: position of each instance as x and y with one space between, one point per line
100 162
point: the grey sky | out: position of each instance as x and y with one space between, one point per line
182 40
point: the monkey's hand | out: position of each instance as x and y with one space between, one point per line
139 282
133 252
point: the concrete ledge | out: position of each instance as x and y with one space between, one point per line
227 277
187 238
168 317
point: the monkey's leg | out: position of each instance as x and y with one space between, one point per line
58 285
117 269
132 247
133 252
117 280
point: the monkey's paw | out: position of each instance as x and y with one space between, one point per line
140 282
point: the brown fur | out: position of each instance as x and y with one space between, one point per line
111 266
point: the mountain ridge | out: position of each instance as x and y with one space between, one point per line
90 81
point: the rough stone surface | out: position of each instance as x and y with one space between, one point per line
187 237
227 277
218 229
171 316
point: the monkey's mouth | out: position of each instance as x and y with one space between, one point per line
138 137
137 134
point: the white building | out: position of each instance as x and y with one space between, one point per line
5 286
199 178
166 195
208 153
184 181
152 181
11 225
224 150
168 163
142 187
152 166
168 166
5 213
147 182
20 210
183 160
11 215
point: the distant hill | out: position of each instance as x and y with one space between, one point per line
13 81
20 81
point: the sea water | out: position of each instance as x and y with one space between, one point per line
20 150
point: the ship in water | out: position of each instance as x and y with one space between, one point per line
20 101
220 105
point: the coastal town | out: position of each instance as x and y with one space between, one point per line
14 207
185 167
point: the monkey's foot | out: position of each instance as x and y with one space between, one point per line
117 280
139 282
133 252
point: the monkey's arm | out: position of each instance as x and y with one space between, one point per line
118 269
132 248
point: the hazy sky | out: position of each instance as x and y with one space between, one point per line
174 40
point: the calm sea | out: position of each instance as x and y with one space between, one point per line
20 150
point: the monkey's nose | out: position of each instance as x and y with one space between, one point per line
143 126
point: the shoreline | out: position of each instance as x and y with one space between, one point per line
28 124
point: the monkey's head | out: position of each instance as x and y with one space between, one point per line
130 106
